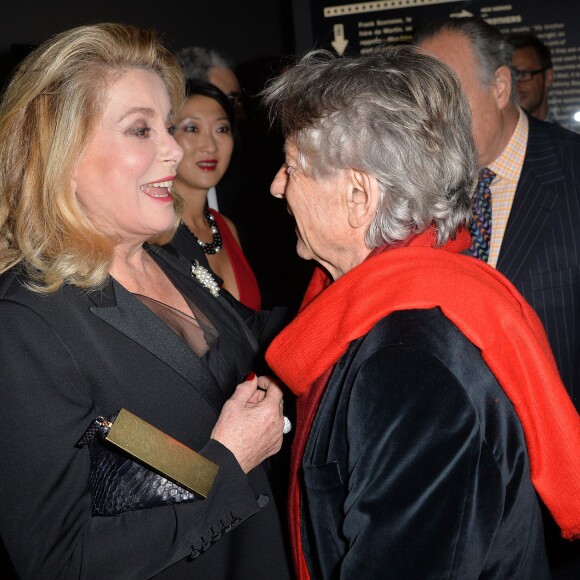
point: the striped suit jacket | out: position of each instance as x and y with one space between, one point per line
541 247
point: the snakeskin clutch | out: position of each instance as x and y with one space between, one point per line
120 483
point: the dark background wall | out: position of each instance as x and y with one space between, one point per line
245 29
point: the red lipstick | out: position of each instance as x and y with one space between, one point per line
207 164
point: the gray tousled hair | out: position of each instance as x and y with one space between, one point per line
399 115
491 47
196 61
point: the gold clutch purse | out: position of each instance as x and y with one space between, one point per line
134 465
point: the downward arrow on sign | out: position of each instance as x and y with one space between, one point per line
339 43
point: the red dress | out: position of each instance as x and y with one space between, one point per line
245 278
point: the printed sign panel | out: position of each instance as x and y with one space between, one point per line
359 27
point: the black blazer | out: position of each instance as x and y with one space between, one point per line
72 355
416 464
540 253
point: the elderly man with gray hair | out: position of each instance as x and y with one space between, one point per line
422 434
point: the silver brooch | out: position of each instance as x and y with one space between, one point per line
205 278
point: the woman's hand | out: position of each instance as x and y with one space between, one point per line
251 422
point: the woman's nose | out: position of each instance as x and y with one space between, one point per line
172 150
208 143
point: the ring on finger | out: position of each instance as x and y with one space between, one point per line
287 426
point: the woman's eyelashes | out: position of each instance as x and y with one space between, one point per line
223 129
142 132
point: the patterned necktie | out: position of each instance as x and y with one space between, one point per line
481 206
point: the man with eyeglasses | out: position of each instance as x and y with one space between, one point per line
530 181
533 74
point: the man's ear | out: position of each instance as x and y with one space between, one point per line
503 86
362 197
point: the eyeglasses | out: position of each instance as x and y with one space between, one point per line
524 76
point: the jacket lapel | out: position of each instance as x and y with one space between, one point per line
178 270
121 310
539 192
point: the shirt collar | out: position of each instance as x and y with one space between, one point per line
509 164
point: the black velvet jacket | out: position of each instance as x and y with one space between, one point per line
416 465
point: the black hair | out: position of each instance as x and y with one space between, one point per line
203 88
532 41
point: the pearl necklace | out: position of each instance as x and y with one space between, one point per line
216 244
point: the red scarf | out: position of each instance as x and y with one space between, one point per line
512 342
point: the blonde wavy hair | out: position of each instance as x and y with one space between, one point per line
47 116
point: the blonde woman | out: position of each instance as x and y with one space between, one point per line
96 318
